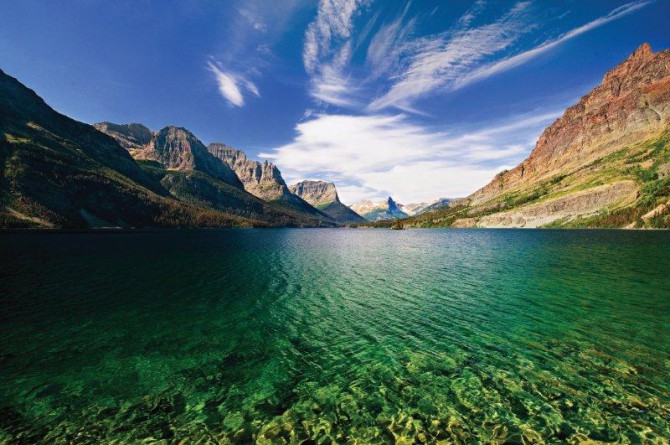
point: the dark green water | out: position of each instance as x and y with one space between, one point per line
360 336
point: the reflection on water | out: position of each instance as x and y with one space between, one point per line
362 336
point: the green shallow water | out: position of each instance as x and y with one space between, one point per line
359 336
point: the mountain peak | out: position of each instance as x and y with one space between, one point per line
130 136
642 51
628 105
317 193
382 210
261 179
323 196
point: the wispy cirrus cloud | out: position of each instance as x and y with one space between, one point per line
378 155
232 86
246 51
454 59
521 58
438 60
327 51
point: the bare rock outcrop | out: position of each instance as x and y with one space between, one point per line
261 179
323 196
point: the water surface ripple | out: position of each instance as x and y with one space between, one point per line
332 336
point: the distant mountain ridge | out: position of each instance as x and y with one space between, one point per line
379 211
323 196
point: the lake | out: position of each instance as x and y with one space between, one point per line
335 335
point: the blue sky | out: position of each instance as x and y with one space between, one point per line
417 100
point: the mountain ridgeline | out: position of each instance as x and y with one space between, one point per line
379 211
604 164
56 172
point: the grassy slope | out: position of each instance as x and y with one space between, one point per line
647 163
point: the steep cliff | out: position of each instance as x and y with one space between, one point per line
262 179
323 196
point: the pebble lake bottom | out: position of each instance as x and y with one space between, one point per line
335 336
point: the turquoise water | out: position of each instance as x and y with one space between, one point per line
331 336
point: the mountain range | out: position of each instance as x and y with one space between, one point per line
60 173
604 163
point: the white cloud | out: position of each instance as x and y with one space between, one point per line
375 156
388 44
452 60
519 59
232 85
438 60
327 51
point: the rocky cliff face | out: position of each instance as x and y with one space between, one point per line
379 211
317 193
178 149
631 104
323 196
261 179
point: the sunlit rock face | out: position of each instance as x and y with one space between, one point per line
178 149
323 196
173 147
261 179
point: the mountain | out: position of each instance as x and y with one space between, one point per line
379 211
604 163
193 173
178 149
129 136
323 196
57 172
423 207
262 179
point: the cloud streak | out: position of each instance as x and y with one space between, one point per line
453 60
437 61
232 86
519 59
327 51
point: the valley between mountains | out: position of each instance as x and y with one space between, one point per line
604 163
